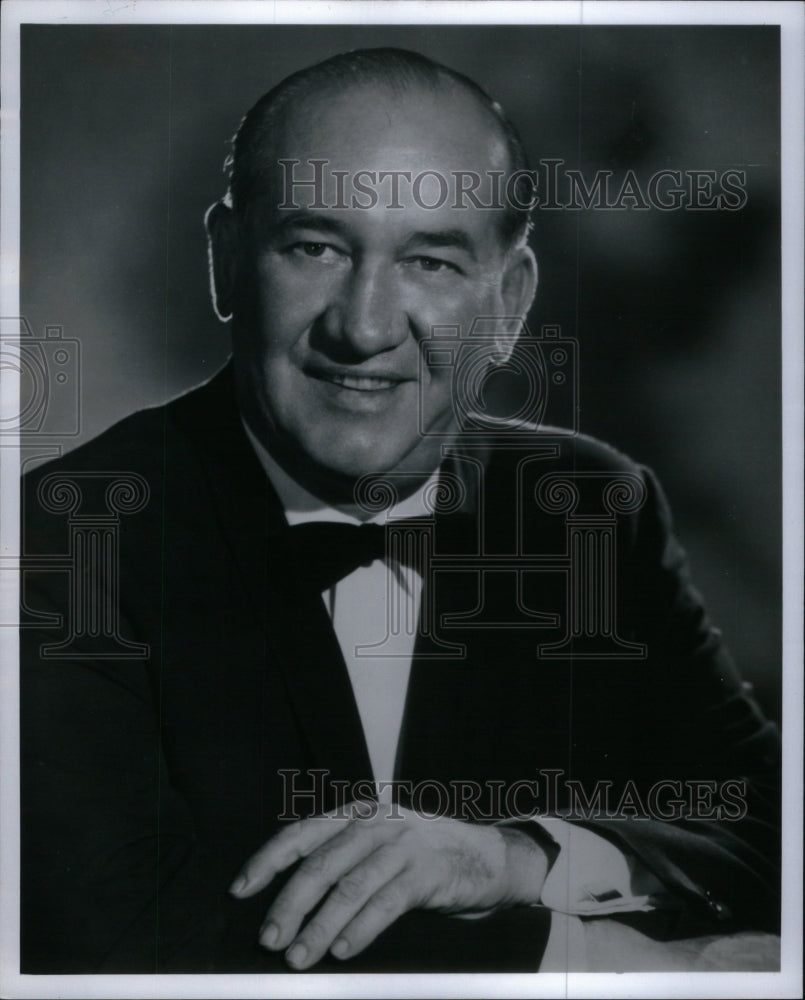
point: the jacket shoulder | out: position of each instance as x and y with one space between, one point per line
563 452
138 442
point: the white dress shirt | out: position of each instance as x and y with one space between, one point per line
377 650
378 655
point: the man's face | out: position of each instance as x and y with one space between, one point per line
331 304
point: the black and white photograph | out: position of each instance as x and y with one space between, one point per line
401 452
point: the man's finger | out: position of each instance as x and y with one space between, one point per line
287 847
348 897
383 908
320 870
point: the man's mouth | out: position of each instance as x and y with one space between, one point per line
359 383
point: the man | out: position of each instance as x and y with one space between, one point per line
172 799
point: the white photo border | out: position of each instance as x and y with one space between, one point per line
791 18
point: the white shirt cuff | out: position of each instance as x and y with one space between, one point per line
591 877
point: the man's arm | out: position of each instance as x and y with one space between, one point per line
112 875
704 729
373 863
695 846
697 875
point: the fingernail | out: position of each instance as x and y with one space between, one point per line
269 935
296 954
238 885
340 947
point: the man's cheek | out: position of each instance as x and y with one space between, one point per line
452 306
436 403
293 295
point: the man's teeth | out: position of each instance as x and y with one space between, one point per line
364 382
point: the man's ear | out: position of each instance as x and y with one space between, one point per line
222 249
518 288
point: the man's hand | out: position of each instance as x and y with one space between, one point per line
373 863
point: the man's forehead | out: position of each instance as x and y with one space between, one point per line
386 163
384 128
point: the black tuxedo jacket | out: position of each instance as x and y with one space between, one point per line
147 781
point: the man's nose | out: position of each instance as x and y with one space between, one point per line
367 316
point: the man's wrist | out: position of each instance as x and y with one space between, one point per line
527 866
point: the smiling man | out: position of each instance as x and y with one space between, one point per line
366 706
332 294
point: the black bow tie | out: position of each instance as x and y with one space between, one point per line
327 551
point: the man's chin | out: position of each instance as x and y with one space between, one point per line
336 474
351 468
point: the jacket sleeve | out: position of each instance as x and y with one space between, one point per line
716 846
111 874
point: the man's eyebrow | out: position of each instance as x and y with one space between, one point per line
455 238
303 219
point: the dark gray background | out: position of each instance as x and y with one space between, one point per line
124 132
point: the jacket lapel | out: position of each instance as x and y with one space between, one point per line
300 641
439 722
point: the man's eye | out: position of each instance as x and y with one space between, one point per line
433 264
318 250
